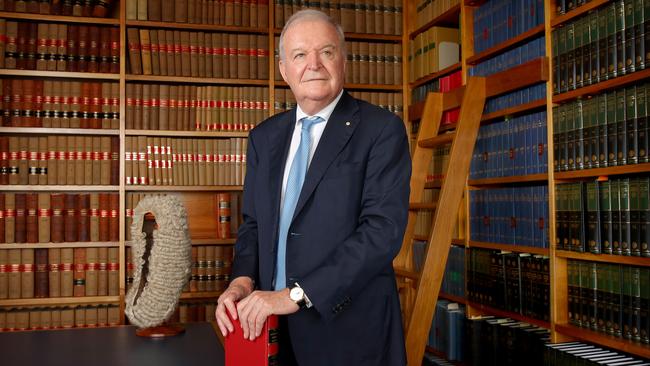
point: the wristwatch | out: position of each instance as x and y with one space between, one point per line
297 295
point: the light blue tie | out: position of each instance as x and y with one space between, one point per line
295 180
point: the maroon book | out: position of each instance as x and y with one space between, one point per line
70 218
30 50
4 160
21 45
20 218
31 219
73 38
66 9
56 228
115 50
104 49
2 218
41 275
93 49
83 48
101 8
83 207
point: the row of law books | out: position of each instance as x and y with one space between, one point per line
518 97
609 298
355 16
433 50
59 160
56 47
59 104
88 8
252 13
579 353
606 43
41 318
512 215
59 217
187 312
529 51
610 129
608 217
374 63
444 84
197 54
562 6
54 273
427 10
515 282
170 161
453 282
194 108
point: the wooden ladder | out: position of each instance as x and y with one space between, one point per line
420 291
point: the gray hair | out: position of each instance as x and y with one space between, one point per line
315 15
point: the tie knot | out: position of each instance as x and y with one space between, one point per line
308 122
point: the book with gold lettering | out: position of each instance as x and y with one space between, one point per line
54 274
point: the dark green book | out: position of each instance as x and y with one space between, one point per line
556 139
570 135
570 56
644 309
578 134
573 287
599 309
562 51
603 153
612 129
635 320
625 216
594 150
621 128
615 195
644 216
586 52
594 46
626 302
563 137
621 41
629 37
631 128
612 46
639 35
587 130
642 123
556 61
635 233
578 51
646 33
593 217
616 299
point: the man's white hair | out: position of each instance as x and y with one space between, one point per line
311 14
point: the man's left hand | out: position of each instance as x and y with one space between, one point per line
256 307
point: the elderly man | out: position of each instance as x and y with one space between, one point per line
325 207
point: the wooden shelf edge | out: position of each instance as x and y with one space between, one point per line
196 80
520 76
605 258
60 74
59 301
559 19
604 339
516 110
206 27
602 86
185 133
80 244
541 177
448 17
599 172
60 131
508 314
200 295
509 247
58 18
182 188
511 43
454 298
62 188
438 74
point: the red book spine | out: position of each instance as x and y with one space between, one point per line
4 160
115 50
104 49
93 49
27 105
262 351
41 275
70 218
83 48
101 8
20 218
114 220
31 46
31 206
57 203
104 217
83 206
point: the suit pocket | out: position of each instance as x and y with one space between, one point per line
343 170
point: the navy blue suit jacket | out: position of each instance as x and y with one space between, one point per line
347 228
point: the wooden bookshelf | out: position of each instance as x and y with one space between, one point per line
447 19
454 298
514 111
603 172
580 10
198 27
604 340
194 80
508 314
184 133
59 131
605 258
61 188
456 242
59 18
59 74
213 295
80 244
602 86
381 87
182 188
507 45
436 75
509 247
370 37
59 301
486 182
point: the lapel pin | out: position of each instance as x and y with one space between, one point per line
347 123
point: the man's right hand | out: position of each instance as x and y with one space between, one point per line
239 288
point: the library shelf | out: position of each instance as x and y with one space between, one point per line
453 298
606 258
59 18
603 172
362 36
514 111
185 133
383 87
59 131
583 9
603 339
59 188
202 241
200 295
456 242
422 206
198 27
196 80
182 188
601 87
76 244
59 301
60 74
508 314
497 181
509 247
438 74
449 18
504 46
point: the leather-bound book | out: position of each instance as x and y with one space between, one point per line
11 47
142 9
104 49
137 107
23 160
92 267
5 118
83 48
191 11
48 106
223 215
185 54
79 273
115 50
135 59
113 272
83 223
145 106
37 104
130 106
67 317
90 316
72 51
70 155
104 212
167 12
260 352
13 278
2 219
105 162
88 160
262 58
57 201
162 51
44 218
145 51
194 278
70 218
94 106
262 13
232 56
154 105
128 160
3 41
20 225
94 216
217 55
32 163
154 10
31 220
194 54
4 274
115 106
41 46
102 271
30 46
180 11
80 110
59 58
41 276
97 159
92 49
114 220
10 217
172 109
115 161
210 284
79 160
154 47
201 267
143 177
130 269
102 315
100 10
66 269
51 45
243 57
27 273
104 109
60 106
171 52
16 103
201 42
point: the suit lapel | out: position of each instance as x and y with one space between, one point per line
338 131
279 142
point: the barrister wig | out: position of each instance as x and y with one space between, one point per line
166 268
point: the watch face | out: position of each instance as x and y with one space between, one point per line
296 294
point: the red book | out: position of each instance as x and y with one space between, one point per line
263 351
41 275
4 160
71 218
83 206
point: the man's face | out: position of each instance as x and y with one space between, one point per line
313 65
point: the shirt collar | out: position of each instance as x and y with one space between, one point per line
324 113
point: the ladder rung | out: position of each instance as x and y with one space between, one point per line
422 206
439 140
403 272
